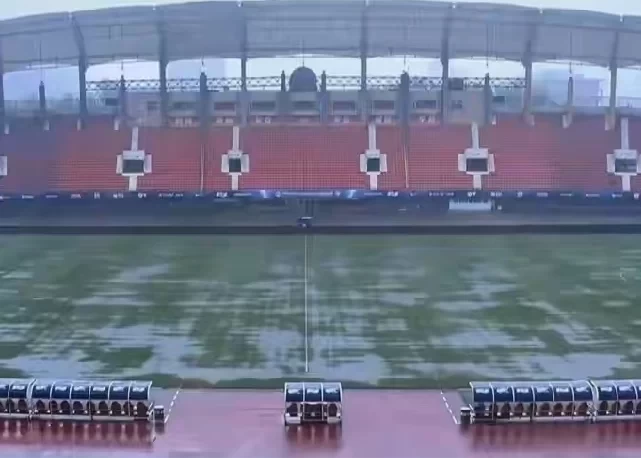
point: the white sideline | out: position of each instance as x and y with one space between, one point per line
449 409
172 404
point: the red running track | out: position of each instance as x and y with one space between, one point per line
378 424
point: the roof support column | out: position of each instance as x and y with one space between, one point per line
487 100
527 95
445 76
570 103
404 96
364 96
324 99
3 117
82 83
612 108
204 101
527 65
244 95
243 73
163 61
614 73
122 98
42 99
445 90
82 71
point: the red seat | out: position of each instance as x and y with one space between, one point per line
389 140
433 157
86 159
30 154
634 132
583 158
177 156
304 157
219 142
525 157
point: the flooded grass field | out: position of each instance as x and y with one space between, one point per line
376 310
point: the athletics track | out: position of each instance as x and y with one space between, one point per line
378 424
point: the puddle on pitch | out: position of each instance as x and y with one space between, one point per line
140 275
480 338
532 367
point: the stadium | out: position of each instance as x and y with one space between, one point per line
203 266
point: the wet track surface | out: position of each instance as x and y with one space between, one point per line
377 423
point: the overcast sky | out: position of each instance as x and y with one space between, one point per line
629 80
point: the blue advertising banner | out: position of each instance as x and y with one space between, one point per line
344 194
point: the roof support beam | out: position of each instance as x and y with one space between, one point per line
82 69
163 61
445 64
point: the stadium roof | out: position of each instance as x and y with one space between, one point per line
272 28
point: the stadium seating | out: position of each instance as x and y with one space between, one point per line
582 155
176 155
86 159
433 157
304 157
543 157
526 157
389 140
30 153
218 142
634 132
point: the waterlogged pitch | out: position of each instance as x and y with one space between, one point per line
376 310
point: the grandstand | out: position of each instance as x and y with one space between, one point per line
311 136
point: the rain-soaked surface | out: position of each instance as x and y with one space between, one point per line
393 310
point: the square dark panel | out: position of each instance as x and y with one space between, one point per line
234 165
133 166
625 166
373 164
477 165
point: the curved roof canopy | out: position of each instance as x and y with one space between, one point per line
339 28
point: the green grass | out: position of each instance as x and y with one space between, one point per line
397 311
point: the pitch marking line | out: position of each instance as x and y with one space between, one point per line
449 409
172 404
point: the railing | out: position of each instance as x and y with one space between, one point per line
274 83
